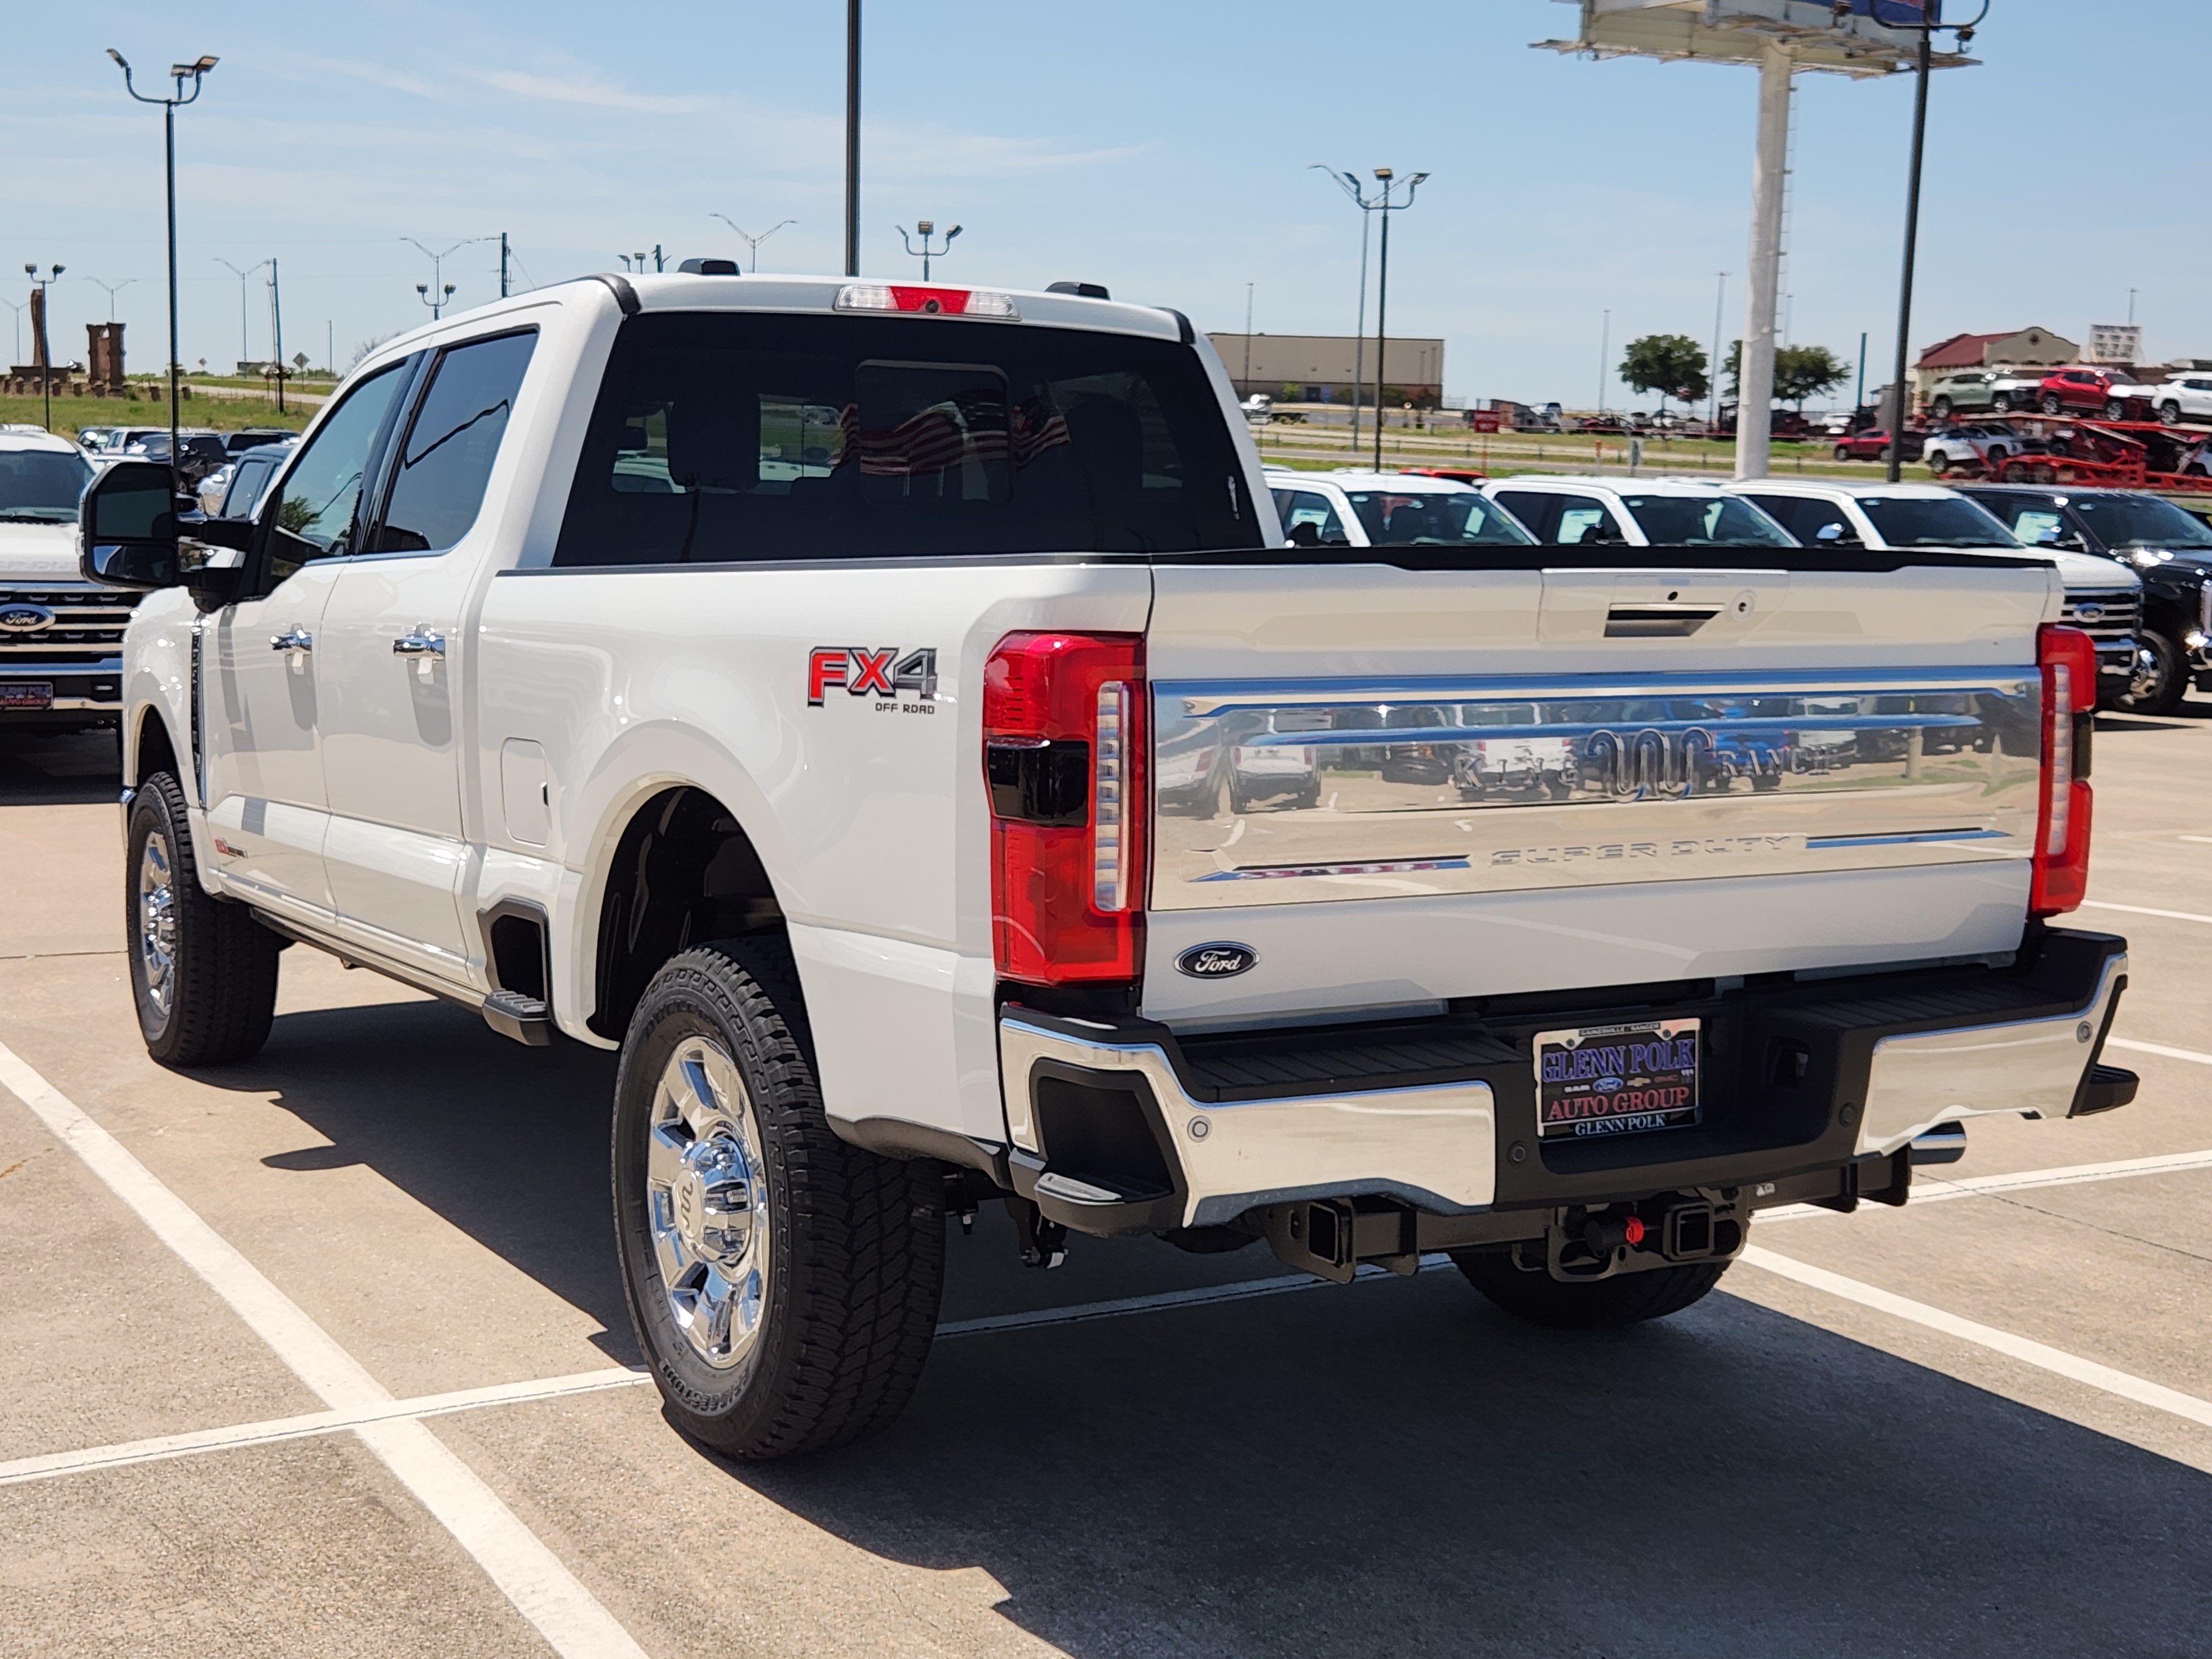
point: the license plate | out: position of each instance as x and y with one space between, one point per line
1617 1079
27 694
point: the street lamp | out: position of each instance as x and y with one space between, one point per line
926 229
1899 400
752 243
1350 186
178 73
241 274
43 337
436 293
1382 201
114 289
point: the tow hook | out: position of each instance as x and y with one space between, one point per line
1584 1244
1044 1242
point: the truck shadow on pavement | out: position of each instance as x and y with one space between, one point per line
509 1144
1393 1468
39 768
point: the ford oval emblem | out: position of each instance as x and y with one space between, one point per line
26 618
2089 613
1219 960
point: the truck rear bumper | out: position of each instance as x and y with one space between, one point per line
1124 1126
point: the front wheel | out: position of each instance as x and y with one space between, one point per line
2051 404
783 1283
1593 1306
203 971
2169 413
1939 465
1842 452
2158 690
1940 409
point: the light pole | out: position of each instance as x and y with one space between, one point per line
1349 184
1386 207
852 137
1899 399
41 337
1248 339
437 291
752 243
925 229
1720 309
195 73
1604 352
276 333
17 307
241 274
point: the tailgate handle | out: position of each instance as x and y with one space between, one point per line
1656 620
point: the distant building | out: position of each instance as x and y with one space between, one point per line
2024 347
1319 367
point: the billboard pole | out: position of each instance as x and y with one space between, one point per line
1770 174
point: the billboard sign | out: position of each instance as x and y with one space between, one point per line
2115 342
1899 14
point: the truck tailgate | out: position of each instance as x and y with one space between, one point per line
1522 780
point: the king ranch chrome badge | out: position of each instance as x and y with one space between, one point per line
1617 1079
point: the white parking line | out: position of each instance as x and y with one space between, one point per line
310 1424
569 1617
2040 1355
1934 1189
2158 1049
2146 910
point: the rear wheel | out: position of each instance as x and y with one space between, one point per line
203 971
1941 409
1596 1304
2116 411
2169 413
1938 465
1842 452
783 1283
2051 404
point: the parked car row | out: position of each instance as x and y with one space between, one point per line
2101 548
2076 390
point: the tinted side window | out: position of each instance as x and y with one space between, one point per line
1805 517
437 486
322 495
1532 508
1313 509
731 437
1583 519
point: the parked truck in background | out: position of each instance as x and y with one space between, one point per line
61 635
767 678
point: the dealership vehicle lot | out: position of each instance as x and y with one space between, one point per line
1393 1466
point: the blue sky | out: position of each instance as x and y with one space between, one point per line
1159 149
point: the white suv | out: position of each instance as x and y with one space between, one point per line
2104 598
1388 509
1569 511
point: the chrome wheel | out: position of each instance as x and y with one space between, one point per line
157 924
706 1198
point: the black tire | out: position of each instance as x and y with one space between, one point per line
2115 409
1842 453
1599 1304
2170 686
210 1002
855 1243
1940 409
1939 466
2052 404
2169 413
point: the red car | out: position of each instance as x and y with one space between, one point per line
1466 475
1874 445
2065 389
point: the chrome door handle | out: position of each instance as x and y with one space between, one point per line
298 639
419 644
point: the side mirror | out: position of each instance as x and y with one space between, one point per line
127 528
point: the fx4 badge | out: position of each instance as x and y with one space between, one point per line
896 681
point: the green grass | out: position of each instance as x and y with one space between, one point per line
221 414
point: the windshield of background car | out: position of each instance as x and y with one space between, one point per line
2142 521
1704 521
721 438
1934 521
40 486
1436 519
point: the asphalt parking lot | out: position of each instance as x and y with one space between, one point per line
325 1354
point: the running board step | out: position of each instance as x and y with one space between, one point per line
527 1019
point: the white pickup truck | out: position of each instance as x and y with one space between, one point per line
763 676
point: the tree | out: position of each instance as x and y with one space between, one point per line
1671 365
1800 372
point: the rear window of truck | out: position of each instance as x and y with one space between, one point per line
722 438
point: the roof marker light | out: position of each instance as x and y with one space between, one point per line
928 301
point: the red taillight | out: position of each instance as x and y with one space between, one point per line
2069 658
1063 759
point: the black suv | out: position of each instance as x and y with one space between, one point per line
2170 548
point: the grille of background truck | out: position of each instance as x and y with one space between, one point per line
87 626
2123 612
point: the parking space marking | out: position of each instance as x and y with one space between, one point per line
1934 1189
2123 1385
310 1424
2146 910
544 1591
2158 1049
